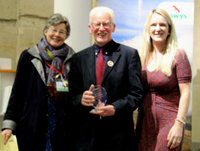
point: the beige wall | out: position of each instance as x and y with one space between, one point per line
79 37
21 24
196 80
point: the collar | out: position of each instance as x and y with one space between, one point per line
106 48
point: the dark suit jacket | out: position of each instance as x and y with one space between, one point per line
123 84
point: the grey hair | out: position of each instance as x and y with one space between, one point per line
102 9
57 19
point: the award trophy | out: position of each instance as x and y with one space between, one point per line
100 96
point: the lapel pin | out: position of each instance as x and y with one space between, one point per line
110 63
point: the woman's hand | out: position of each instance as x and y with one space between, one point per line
175 135
7 133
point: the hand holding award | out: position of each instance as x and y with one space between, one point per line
100 96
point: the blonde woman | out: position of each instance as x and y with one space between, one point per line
166 75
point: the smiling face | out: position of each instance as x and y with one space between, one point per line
56 35
102 34
159 29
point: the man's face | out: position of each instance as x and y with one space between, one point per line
101 28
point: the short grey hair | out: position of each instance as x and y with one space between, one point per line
57 19
102 9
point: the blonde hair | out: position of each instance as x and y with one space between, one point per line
102 9
170 48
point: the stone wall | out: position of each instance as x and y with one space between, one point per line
21 24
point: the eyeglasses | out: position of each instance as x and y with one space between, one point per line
105 24
61 32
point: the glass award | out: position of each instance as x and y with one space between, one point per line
100 96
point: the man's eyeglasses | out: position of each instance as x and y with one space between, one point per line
61 32
105 24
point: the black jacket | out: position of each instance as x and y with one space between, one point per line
27 112
123 84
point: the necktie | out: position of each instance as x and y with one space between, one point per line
100 67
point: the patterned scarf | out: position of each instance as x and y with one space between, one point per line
57 61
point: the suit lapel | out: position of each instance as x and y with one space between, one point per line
39 68
37 62
90 61
112 59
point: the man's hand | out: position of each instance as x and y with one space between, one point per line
88 98
104 111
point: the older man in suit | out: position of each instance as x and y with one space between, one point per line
111 128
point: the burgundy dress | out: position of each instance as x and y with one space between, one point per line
160 106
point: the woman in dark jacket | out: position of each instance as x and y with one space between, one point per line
37 108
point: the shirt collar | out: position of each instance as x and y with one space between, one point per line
106 48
